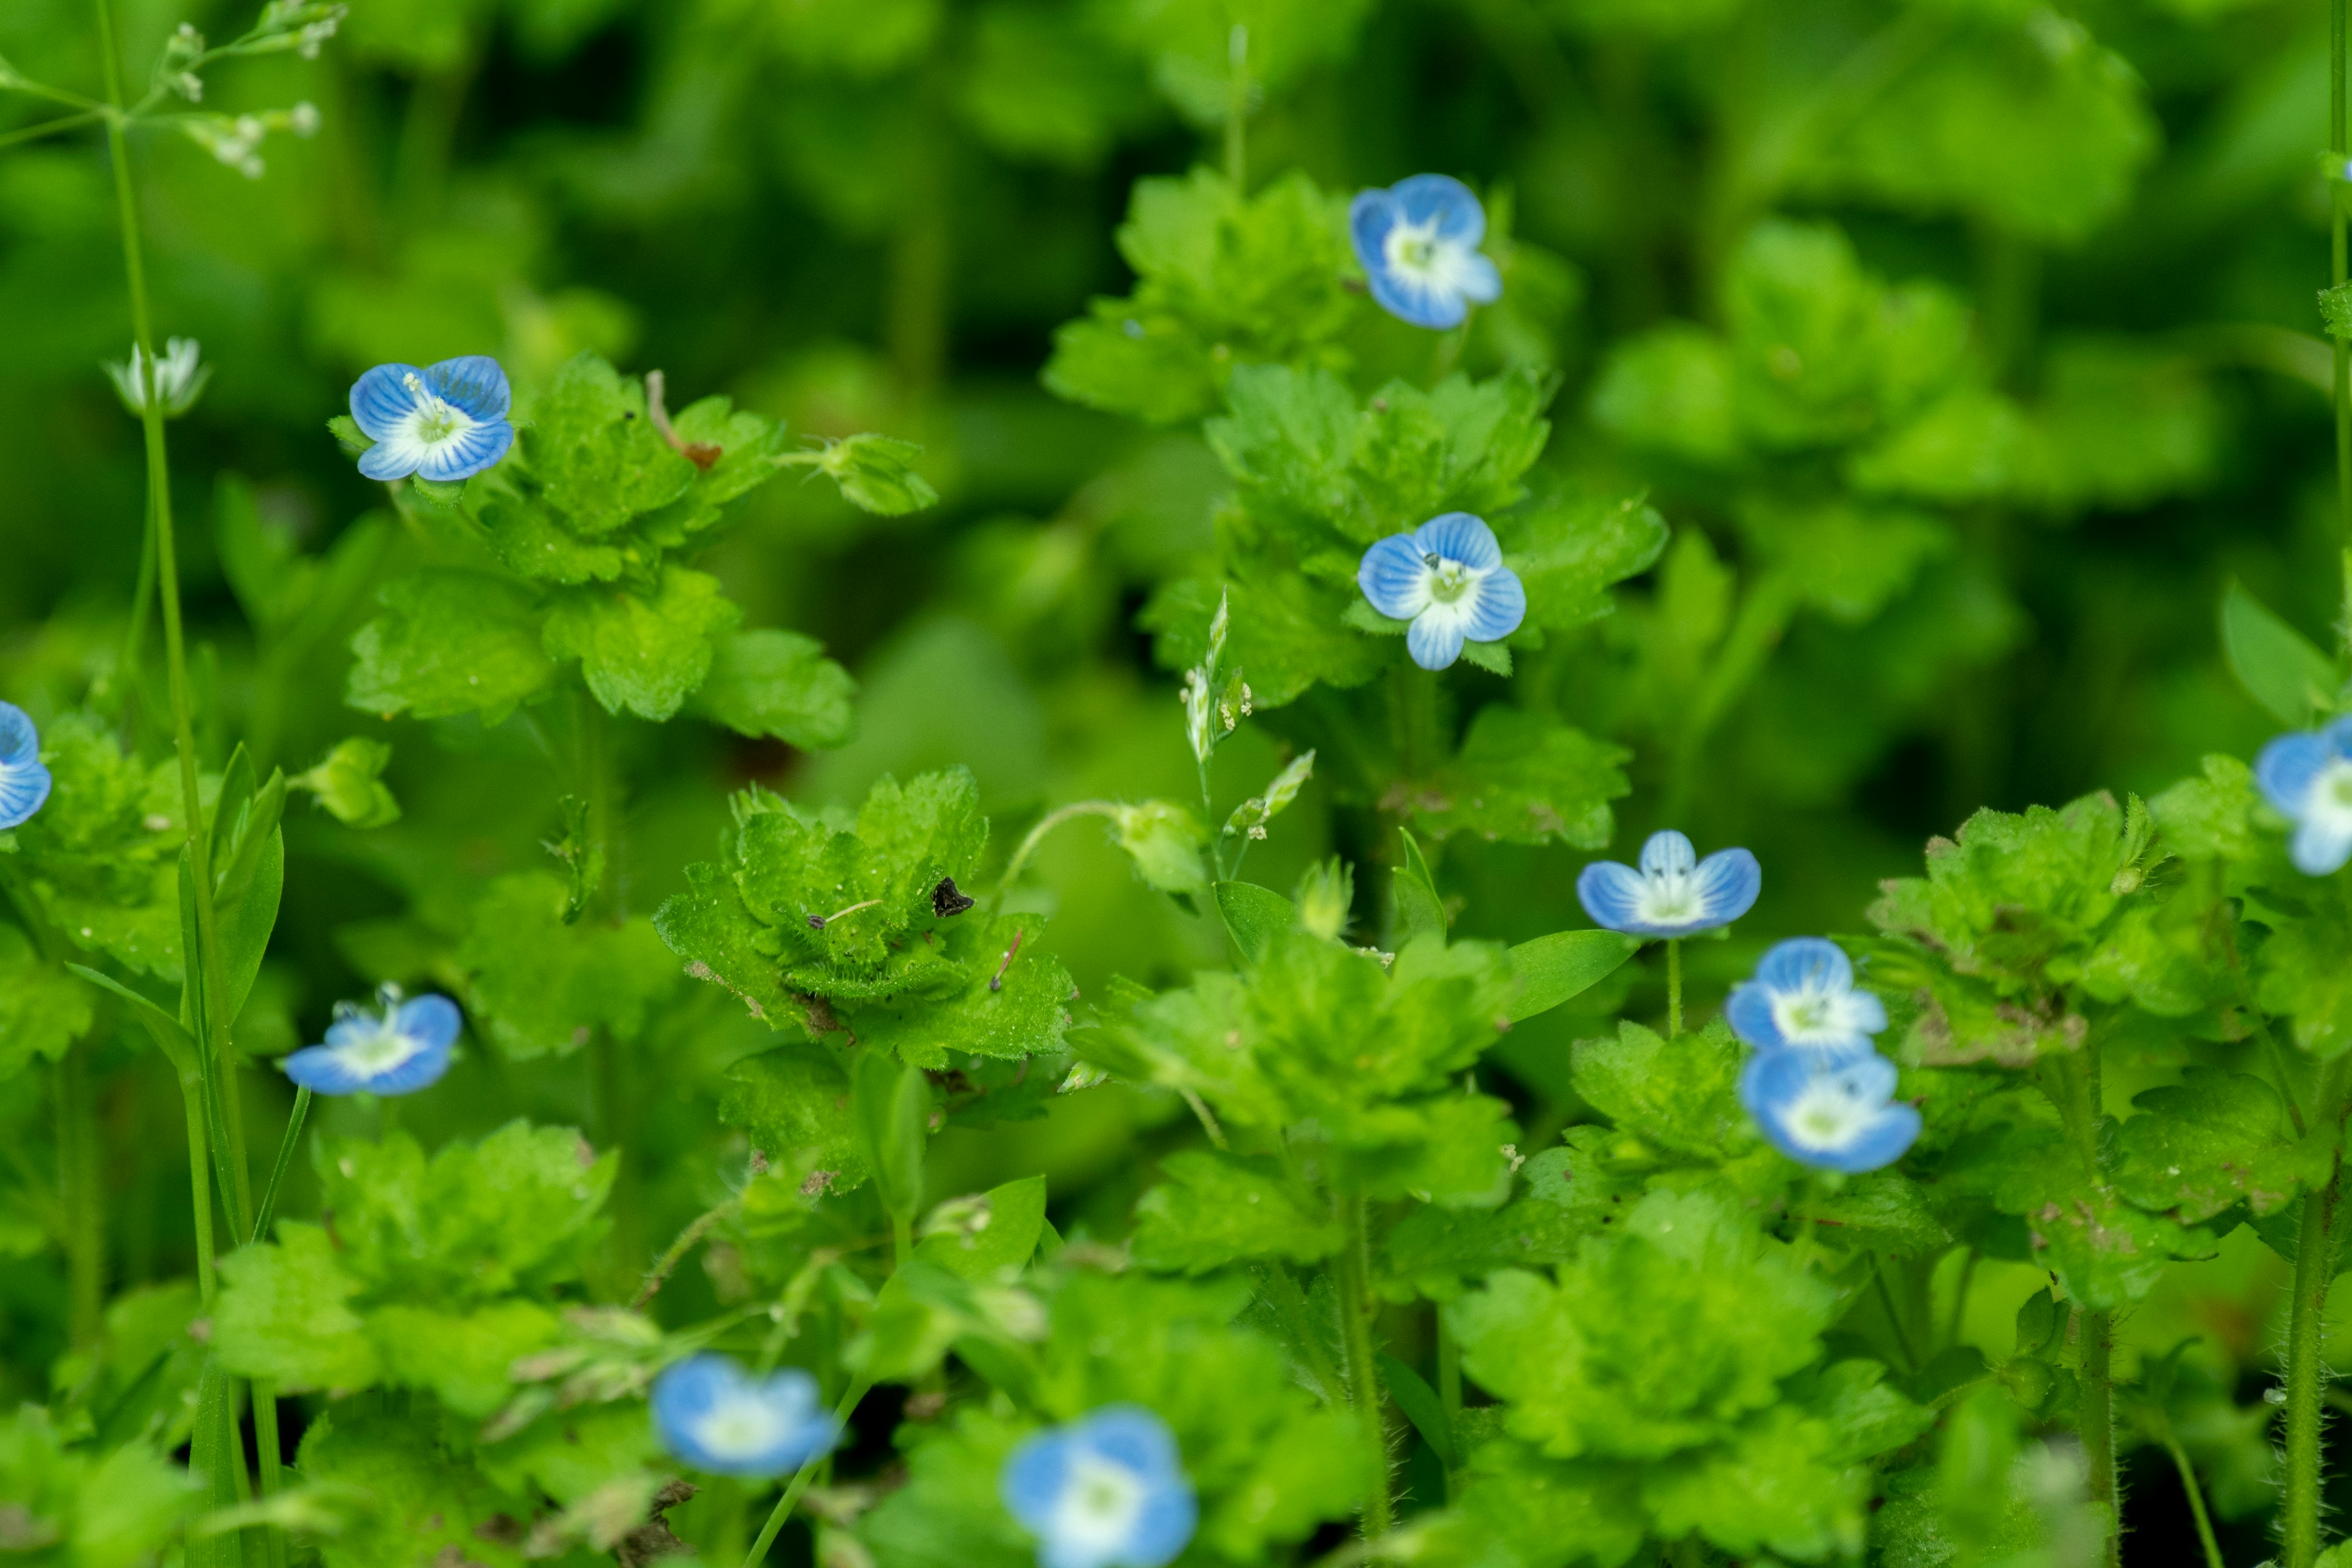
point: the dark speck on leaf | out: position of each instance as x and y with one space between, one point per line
946 900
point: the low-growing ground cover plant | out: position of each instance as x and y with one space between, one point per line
664 1099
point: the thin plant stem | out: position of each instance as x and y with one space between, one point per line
1901 1330
658 1276
285 1147
2098 1395
50 128
81 1197
1449 1367
2337 263
2306 1368
1237 96
1053 819
1363 1379
1960 1299
1674 987
199 1181
800 1482
2196 1501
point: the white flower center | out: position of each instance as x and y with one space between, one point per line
1812 1015
378 1053
1413 248
742 1426
1448 580
1827 1115
1099 1504
434 421
1668 897
2330 800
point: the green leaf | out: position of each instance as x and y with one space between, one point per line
2209 818
642 655
102 858
2216 1139
1680 1094
1556 968
1288 632
1568 554
794 1103
1668 390
348 784
1253 915
2294 681
2300 973
1523 777
1515 1509
1216 1209
598 455
780 684
537 986
994 1234
877 474
284 1313
889 1105
1419 911
1420 1406
2335 310
420 1499
42 1008
463 1357
1167 843
450 641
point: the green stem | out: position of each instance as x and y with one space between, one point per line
2306 1368
2196 1501
1449 1368
902 1237
81 1197
49 128
285 1157
1237 95
668 1263
1894 1318
1363 1378
2336 261
800 1478
1053 819
199 1181
2098 1419
1674 987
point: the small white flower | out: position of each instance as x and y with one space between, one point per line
177 376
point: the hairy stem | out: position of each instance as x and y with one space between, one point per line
1674 987
2307 1367
1363 1378
2099 1422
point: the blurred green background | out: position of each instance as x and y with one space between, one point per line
2086 239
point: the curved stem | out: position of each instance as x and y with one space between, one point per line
2196 1501
2306 1368
659 1274
1045 824
800 1482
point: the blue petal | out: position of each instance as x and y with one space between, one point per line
2288 767
1806 961
1134 1438
475 383
1459 216
1034 1478
323 1069
24 790
1369 218
1887 1141
2320 848
20 742
1483 284
381 400
433 1019
1435 641
1872 1077
1419 306
389 460
422 1070
466 454
1667 851
1749 1011
1164 1527
1459 536
1391 575
1500 606
1729 882
1610 892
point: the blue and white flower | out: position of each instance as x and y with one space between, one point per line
1108 1492
400 1049
1675 893
712 1415
1418 242
1836 1115
1447 578
24 781
1803 998
2308 777
445 423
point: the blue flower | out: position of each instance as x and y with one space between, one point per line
1108 1491
400 1051
1447 578
1418 241
446 423
1834 1115
24 781
712 1415
1802 998
2309 778
1675 893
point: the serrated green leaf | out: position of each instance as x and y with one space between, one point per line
642 655
450 641
780 684
1215 1210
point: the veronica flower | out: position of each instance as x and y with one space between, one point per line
24 781
1675 893
1447 578
444 424
1418 242
1108 1491
1832 1115
2309 778
1803 998
710 1413
178 374
398 1050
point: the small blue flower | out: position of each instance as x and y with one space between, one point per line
710 1413
2309 778
1675 893
1802 998
1108 1491
399 1050
445 423
1447 578
1836 1115
24 781
1418 242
